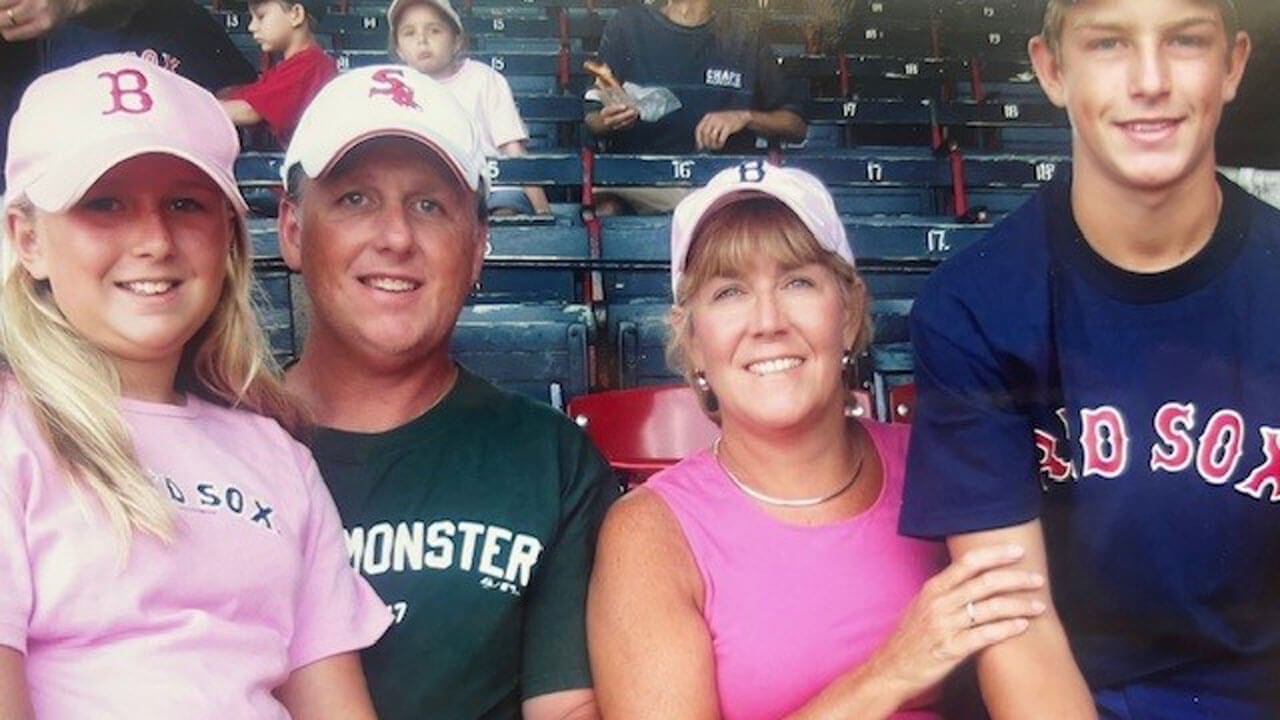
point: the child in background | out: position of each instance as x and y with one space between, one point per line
167 550
282 93
427 35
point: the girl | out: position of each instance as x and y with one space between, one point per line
166 548
427 36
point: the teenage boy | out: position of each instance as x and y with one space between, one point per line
282 93
1098 382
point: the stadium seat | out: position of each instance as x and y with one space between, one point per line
891 365
638 329
539 349
645 429
533 260
902 403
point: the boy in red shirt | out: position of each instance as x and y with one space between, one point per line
280 95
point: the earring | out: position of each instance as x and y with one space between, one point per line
709 399
846 360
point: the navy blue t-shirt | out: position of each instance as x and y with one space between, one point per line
1138 415
719 65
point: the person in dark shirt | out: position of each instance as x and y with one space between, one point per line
730 88
1096 380
178 35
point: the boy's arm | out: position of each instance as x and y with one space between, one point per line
241 112
1032 675
974 469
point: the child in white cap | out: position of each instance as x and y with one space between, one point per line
427 35
167 549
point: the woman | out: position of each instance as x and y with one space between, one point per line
764 577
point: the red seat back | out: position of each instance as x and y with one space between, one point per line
645 429
902 403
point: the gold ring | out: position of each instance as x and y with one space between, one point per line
13 19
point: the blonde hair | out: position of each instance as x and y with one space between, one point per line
73 387
729 240
1055 17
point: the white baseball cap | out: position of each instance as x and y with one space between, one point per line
803 193
75 124
443 5
382 101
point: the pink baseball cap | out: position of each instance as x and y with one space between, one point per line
381 101
75 124
803 193
442 5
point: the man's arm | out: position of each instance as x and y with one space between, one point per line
555 667
715 128
1033 675
563 705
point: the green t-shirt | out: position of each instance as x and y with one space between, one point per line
476 523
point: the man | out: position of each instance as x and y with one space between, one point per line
1113 340
472 511
727 79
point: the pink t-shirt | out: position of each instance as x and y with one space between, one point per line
791 608
255 586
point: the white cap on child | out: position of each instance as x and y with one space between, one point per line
803 193
443 5
75 124
379 101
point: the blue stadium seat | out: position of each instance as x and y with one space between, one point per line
274 305
258 175
271 294
883 200
892 364
639 333
536 349
533 262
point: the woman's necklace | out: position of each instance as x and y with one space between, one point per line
786 502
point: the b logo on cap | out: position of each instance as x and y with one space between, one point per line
400 93
133 100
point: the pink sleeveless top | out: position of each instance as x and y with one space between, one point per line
791 608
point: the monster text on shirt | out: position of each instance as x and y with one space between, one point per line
503 559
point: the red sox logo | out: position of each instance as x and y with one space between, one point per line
393 85
132 99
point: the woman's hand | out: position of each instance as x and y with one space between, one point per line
973 604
